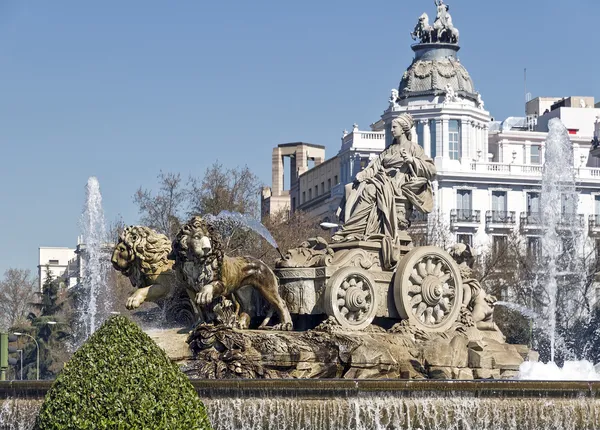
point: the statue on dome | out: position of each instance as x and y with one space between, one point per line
480 103
442 31
393 98
423 30
384 194
451 96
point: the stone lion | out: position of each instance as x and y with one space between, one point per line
142 255
204 267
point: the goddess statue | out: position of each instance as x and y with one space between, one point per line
381 199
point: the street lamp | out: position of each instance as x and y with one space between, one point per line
21 352
37 348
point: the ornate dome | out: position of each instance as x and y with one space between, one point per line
434 70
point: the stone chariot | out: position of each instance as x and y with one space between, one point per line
353 283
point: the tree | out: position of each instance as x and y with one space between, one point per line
52 338
17 290
162 211
289 231
235 190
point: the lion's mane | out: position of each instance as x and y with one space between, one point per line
150 250
182 252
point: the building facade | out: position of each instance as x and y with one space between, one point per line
489 172
58 260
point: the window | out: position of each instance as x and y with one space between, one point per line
463 204
467 239
534 247
309 193
535 154
568 203
335 180
303 196
322 187
420 138
293 204
316 190
533 207
328 184
364 162
454 139
498 206
52 261
498 244
433 136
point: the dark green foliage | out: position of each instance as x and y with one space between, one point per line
120 379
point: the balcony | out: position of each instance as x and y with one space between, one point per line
418 217
418 221
498 220
534 221
464 218
594 225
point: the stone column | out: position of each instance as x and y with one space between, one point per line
466 144
484 141
444 136
277 172
473 139
426 137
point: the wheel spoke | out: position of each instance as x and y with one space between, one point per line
439 315
429 266
443 304
429 315
413 289
360 284
445 278
420 309
421 270
416 300
415 277
438 269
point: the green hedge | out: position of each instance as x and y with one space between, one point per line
120 379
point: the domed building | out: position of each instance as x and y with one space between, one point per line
488 172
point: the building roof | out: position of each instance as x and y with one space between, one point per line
434 67
284 145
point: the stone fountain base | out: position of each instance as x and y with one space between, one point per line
218 352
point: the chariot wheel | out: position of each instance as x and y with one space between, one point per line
428 288
350 298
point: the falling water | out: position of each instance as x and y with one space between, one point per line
561 238
95 263
229 220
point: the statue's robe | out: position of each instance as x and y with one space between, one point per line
371 208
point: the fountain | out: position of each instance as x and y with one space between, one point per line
387 334
93 300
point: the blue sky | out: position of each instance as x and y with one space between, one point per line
123 89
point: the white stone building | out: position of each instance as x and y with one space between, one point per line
57 259
489 172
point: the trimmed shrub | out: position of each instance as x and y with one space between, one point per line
120 379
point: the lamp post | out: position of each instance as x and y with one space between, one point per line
20 351
37 348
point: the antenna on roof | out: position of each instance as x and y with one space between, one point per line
525 85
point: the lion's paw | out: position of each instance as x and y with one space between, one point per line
134 302
279 327
205 296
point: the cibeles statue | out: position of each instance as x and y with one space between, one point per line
384 194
